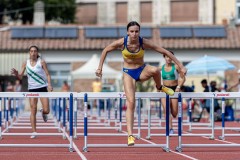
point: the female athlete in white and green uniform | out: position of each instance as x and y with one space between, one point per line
39 80
171 79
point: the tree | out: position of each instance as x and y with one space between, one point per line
17 9
61 10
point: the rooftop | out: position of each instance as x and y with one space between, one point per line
81 38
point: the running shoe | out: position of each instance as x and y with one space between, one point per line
45 117
33 135
167 90
131 140
171 131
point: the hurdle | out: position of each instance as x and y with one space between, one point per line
212 95
100 126
38 95
188 122
165 147
118 128
17 125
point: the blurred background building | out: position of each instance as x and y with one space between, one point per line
69 33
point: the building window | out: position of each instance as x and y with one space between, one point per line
86 13
184 10
59 73
146 12
121 12
238 12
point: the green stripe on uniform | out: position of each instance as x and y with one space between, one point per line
35 76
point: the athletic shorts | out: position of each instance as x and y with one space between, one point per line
134 73
43 89
172 87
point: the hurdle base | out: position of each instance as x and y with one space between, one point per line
221 137
166 149
178 149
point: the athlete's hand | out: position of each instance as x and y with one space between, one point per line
183 71
177 90
50 88
14 72
98 73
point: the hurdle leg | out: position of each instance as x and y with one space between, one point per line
115 109
120 115
71 122
166 148
75 118
212 118
59 115
85 123
108 111
190 115
64 118
149 122
179 147
223 120
139 118
160 112
6 118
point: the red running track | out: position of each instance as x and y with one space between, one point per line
128 153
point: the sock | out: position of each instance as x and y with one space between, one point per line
160 88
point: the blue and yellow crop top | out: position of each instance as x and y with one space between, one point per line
171 75
129 55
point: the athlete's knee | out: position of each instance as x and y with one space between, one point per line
131 103
155 70
174 115
46 110
33 110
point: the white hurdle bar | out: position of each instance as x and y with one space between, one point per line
38 95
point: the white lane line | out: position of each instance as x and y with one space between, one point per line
76 149
181 154
216 139
220 140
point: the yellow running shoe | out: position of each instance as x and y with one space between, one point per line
167 90
131 140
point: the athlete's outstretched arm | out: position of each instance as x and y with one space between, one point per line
149 44
113 46
19 75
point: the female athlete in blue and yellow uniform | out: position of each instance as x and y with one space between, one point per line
171 79
133 48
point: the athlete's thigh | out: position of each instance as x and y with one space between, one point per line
148 72
129 87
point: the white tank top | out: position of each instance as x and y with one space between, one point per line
36 75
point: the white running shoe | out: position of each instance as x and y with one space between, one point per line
33 135
171 132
